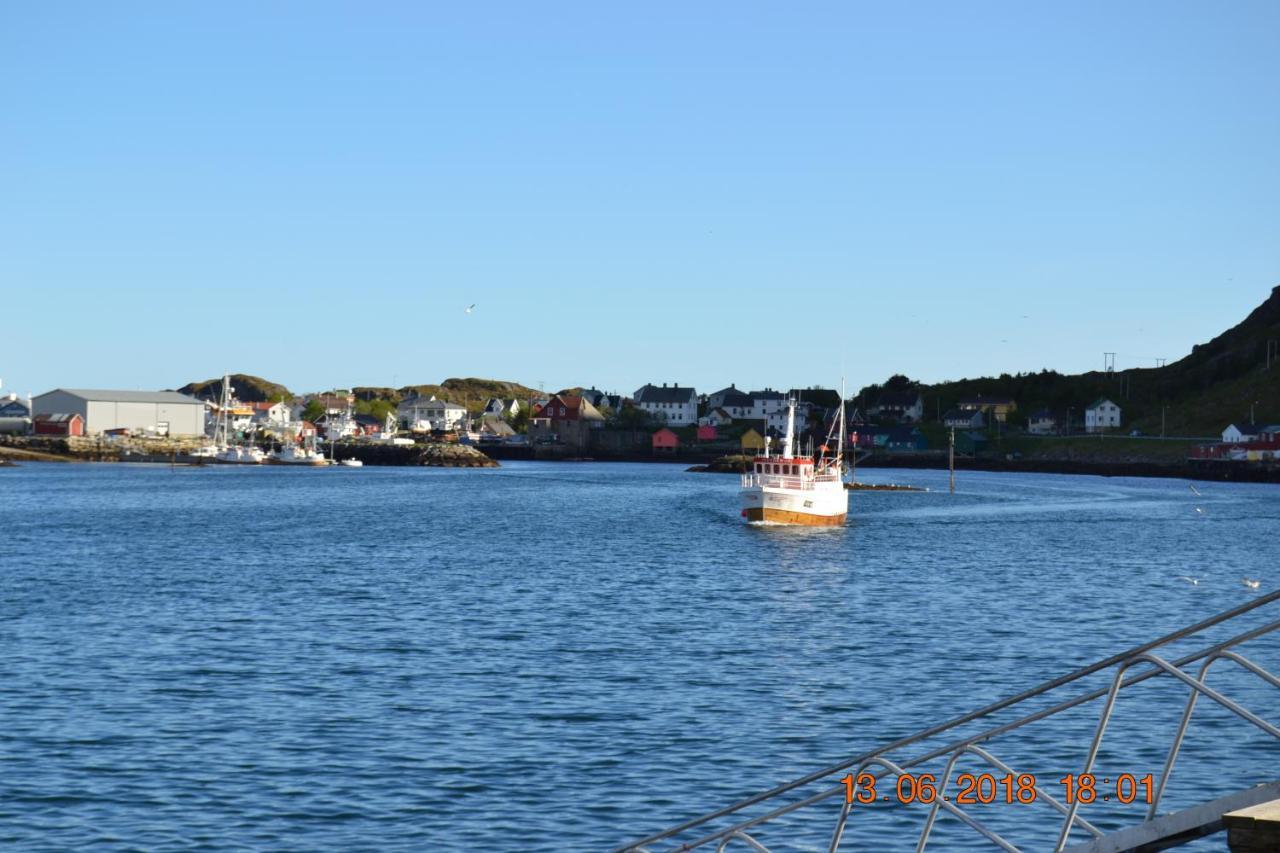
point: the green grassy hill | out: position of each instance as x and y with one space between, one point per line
1199 394
472 392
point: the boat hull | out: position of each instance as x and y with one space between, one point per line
765 515
821 507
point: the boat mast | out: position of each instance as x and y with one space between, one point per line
840 438
791 428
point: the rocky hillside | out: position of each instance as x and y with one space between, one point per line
249 389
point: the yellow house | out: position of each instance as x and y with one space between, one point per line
997 407
752 442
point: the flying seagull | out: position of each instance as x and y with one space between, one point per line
1193 489
1190 580
471 307
1251 583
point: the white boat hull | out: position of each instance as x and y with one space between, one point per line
817 507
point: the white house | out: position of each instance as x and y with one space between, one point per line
716 417
1101 415
776 416
671 403
1239 433
904 406
272 414
1042 422
768 405
735 403
502 408
426 414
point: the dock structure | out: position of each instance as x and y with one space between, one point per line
1255 829
822 802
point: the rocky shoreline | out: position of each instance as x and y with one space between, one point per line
1214 471
78 449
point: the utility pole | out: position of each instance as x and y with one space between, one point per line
1108 362
1273 350
952 460
1163 411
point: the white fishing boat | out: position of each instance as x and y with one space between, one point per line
801 490
222 448
246 454
292 454
352 463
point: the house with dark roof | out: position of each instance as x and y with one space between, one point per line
592 395
767 404
735 403
904 406
676 405
716 418
992 406
502 407
1241 432
899 437
12 407
1101 415
1042 422
565 419
964 419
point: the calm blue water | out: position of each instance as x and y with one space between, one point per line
557 656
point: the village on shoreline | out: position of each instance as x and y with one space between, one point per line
657 422
1187 418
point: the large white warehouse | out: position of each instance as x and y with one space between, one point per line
153 411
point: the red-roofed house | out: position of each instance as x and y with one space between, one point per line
564 419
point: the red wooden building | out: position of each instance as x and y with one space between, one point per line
71 424
665 441
566 407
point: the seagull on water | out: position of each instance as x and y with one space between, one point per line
1251 583
1190 580
1199 510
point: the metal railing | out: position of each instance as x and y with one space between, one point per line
781 481
742 821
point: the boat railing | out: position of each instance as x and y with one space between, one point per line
781 481
828 796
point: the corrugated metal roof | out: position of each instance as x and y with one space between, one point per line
128 396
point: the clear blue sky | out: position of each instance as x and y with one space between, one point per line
702 192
